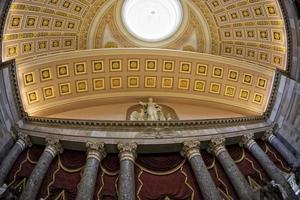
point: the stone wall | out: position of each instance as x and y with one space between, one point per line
286 112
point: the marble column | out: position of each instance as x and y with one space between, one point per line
36 178
12 156
267 164
126 185
237 179
281 148
206 184
88 181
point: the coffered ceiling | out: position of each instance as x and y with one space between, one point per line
249 34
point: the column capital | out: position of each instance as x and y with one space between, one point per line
269 135
127 151
217 145
95 150
190 148
23 140
53 146
247 140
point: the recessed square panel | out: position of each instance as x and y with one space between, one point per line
29 78
217 72
277 60
167 82
277 36
58 24
183 83
80 68
45 22
150 81
66 4
27 47
247 79
115 65
244 94
81 86
233 75
133 81
68 43
46 74
271 10
12 50
55 44
133 65
229 91
115 82
258 98
261 83
77 8
62 71
199 86
98 66
168 66
185 67
201 69
42 45
264 34
31 22
151 65
258 11
70 25
65 88
215 88
16 21
32 97
48 92
99 83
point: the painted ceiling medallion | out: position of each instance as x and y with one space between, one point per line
152 20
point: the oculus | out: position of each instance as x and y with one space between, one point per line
152 20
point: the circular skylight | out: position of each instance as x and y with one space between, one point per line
152 20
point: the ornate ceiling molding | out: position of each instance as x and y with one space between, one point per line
83 76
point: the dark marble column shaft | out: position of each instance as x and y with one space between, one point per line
12 156
267 164
36 178
237 179
126 186
281 148
206 184
88 181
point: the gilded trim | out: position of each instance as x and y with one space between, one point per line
186 182
162 173
141 184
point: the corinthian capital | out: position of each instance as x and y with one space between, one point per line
190 148
216 145
248 140
269 134
24 140
127 151
53 146
96 150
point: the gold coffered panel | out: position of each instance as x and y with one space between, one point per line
81 76
57 46
247 30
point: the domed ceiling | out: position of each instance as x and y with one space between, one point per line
72 51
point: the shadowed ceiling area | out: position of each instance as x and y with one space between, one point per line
70 53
